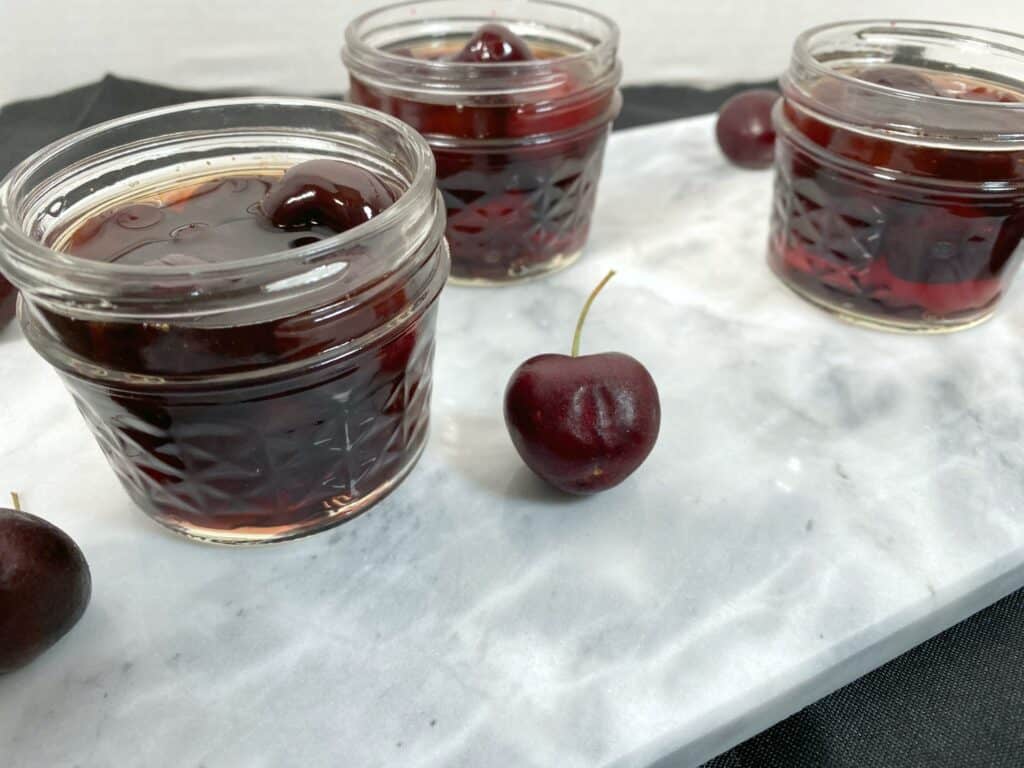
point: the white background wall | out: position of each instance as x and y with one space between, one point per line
292 45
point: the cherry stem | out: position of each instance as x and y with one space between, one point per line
586 309
16 500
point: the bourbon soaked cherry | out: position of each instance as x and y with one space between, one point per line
325 192
277 455
241 296
517 123
495 43
906 233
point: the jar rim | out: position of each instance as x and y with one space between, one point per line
35 254
883 106
478 78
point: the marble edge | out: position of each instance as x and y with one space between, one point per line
916 625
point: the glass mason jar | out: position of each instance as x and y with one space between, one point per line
518 145
249 400
899 197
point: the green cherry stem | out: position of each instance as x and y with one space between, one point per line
16 501
586 309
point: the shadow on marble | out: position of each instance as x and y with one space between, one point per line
524 485
479 448
97 623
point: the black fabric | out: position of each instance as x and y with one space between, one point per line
29 125
646 104
26 126
957 701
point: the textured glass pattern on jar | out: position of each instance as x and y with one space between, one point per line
521 212
519 147
914 226
246 382
282 456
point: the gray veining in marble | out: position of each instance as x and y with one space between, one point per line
821 498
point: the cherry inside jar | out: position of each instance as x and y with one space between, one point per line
517 122
899 198
254 355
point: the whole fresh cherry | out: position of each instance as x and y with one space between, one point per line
744 129
332 193
44 586
583 424
495 43
8 302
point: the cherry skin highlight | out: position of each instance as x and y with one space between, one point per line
583 423
330 193
496 44
45 587
744 129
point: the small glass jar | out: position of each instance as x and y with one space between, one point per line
899 197
518 145
250 400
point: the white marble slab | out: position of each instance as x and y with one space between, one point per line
822 498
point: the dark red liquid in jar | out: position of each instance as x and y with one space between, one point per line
269 457
904 234
518 180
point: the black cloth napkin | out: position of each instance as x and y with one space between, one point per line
26 126
957 701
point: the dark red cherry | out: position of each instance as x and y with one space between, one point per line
44 587
900 78
583 424
331 193
394 356
8 302
493 218
554 109
495 43
744 129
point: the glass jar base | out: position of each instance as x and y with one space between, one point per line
251 536
535 272
922 325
